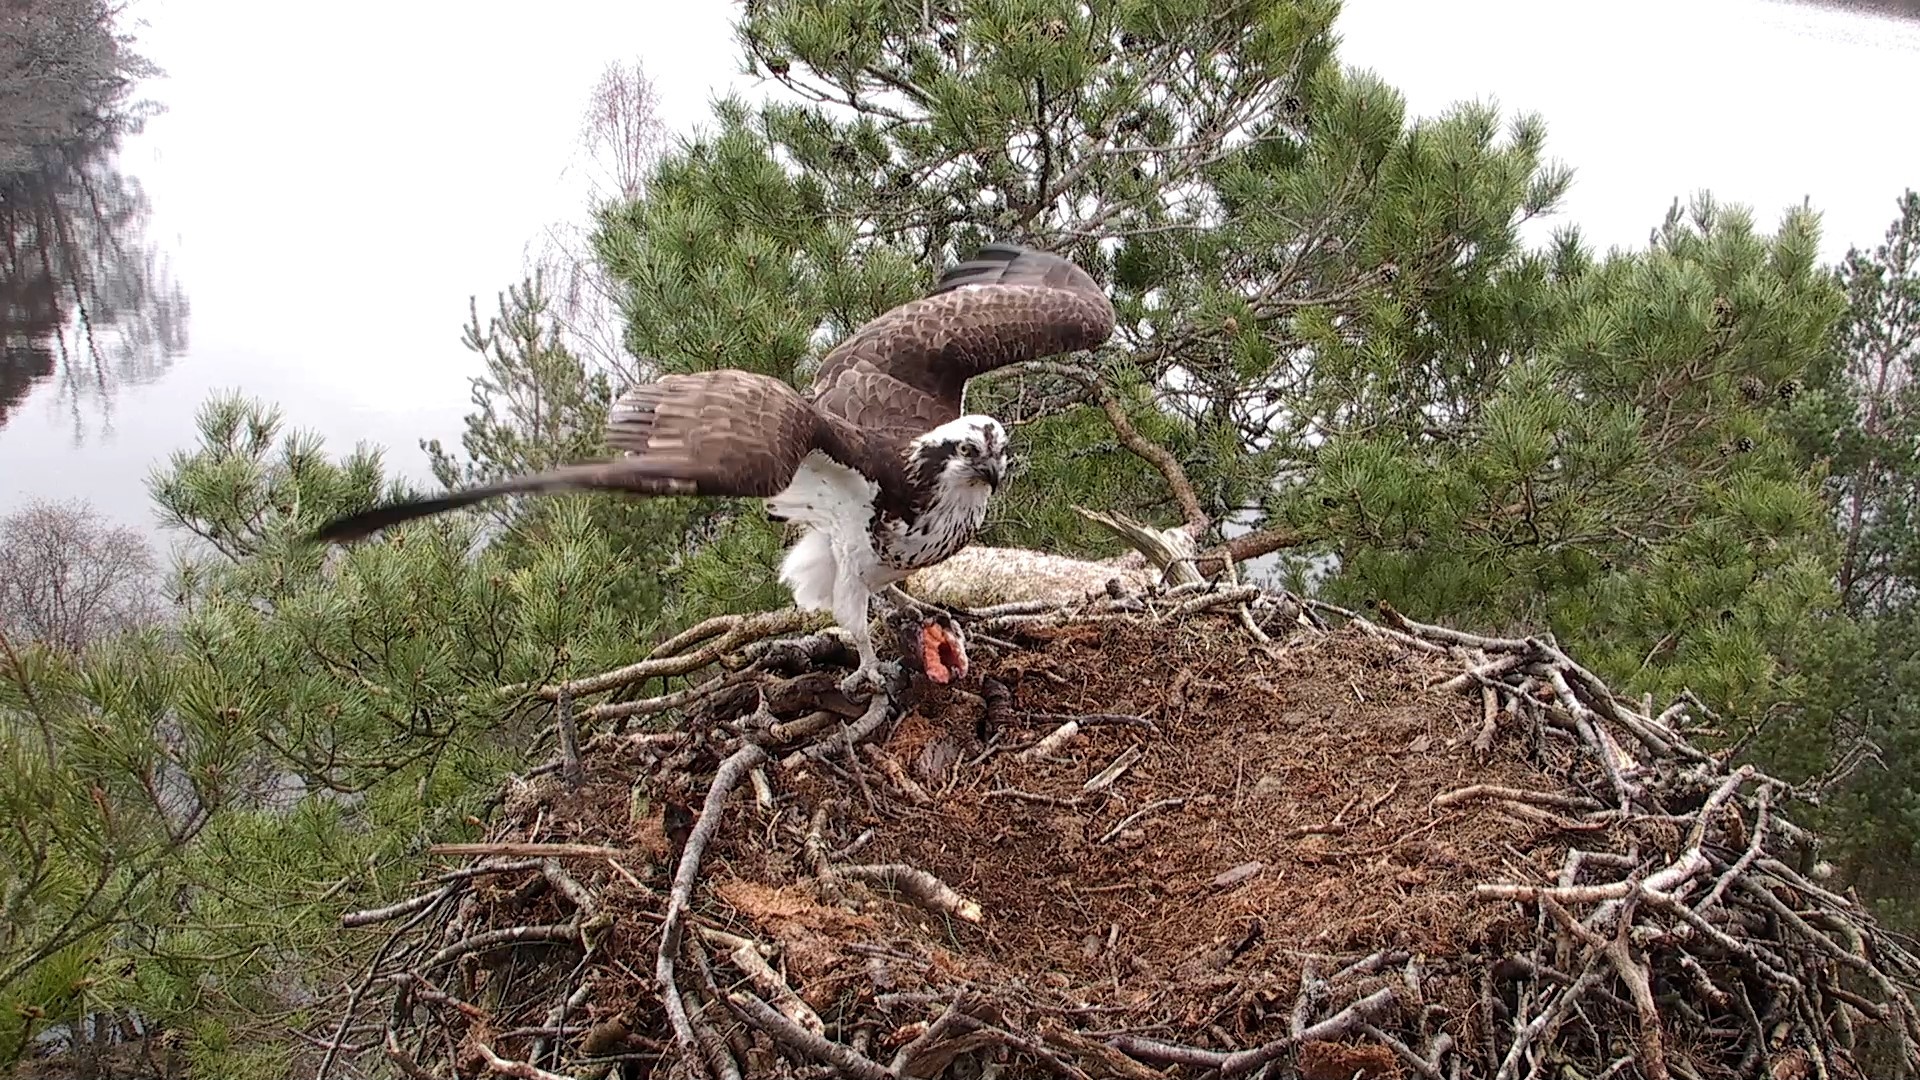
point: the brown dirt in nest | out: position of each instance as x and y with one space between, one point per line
1305 828
1199 870
1339 1061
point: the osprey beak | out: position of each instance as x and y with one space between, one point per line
992 470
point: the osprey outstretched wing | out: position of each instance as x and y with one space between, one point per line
874 463
714 433
904 372
735 433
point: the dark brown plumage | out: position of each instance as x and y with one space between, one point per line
735 433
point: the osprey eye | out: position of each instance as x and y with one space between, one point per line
884 413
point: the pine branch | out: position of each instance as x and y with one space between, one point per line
1250 546
1195 517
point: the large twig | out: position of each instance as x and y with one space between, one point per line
548 934
817 1047
925 889
1705 910
1243 1061
1495 791
353 919
1590 975
878 709
1192 514
720 636
730 775
745 955
520 1070
521 849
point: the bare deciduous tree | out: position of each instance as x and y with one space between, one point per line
621 135
65 74
622 131
69 578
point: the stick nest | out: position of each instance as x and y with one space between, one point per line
1194 833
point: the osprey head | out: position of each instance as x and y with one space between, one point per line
969 451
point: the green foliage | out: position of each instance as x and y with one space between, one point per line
195 810
1358 344
731 261
537 405
1858 425
1628 481
1079 447
1873 453
1325 314
105 774
1249 211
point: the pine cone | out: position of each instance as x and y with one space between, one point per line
1753 389
1743 444
1054 30
1789 390
1722 312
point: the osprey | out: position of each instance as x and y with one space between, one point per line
874 461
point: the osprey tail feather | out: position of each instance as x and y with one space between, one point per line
622 476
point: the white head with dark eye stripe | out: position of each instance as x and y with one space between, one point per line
967 454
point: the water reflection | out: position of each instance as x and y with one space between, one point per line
84 299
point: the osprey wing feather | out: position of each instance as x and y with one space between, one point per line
735 433
906 370
726 433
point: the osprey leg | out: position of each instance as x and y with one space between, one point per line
851 611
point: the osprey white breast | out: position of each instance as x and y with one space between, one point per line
873 460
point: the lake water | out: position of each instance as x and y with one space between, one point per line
331 184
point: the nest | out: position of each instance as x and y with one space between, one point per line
1198 832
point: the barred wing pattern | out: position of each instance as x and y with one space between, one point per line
904 372
725 433
735 433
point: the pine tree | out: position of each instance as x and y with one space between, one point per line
1626 479
1859 419
196 807
1237 191
538 406
1326 314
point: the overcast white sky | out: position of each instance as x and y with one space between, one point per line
333 181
